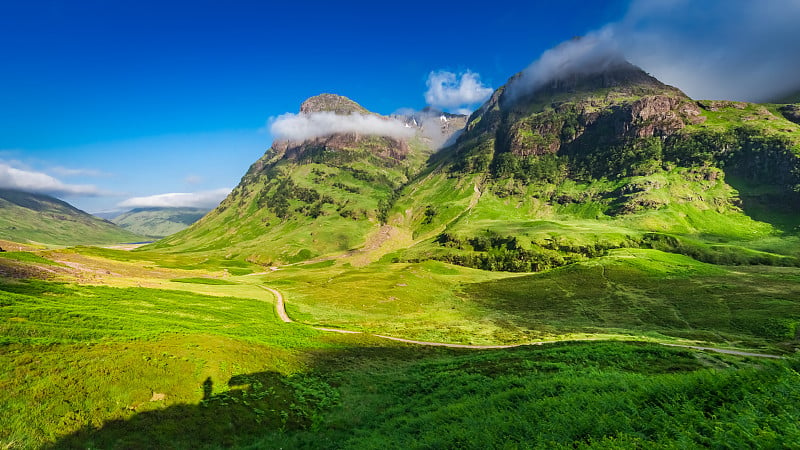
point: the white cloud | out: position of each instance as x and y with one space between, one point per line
31 181
715 49
594 53
205 199
299 127
446 90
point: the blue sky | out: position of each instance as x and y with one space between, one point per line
101 101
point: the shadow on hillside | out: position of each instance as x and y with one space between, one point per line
256 408
768 204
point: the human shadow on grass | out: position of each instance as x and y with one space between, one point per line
255 405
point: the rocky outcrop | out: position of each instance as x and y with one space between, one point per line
580 112
662 115
548 131
385 148
332 103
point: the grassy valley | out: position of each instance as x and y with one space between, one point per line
135 366
562 276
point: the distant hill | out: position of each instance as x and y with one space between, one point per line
158 222
27 217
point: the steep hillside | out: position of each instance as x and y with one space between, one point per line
27 217
311 197
158 222
613 159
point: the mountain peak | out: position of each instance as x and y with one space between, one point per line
617 75
331 103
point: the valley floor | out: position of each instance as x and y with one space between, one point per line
140 350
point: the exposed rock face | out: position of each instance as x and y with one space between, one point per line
791 112
333 103
648 116
386 148
661 115
620 103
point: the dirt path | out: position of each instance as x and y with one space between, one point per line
280 309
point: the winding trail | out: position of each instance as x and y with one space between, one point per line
280 309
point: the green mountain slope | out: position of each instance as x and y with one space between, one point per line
309 198
27 217
609 160
158 222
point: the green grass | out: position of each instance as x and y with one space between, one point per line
78 356
407 300
42 313
103 367
591 395
171 260
355 184
214 281
648 292
587 395
632 292
765 117
27 257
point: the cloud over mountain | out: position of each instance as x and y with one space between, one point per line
299 127
718 49
205 199
715 49
447 90
594 53
39 182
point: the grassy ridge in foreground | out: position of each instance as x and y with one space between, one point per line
565 396
75 356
